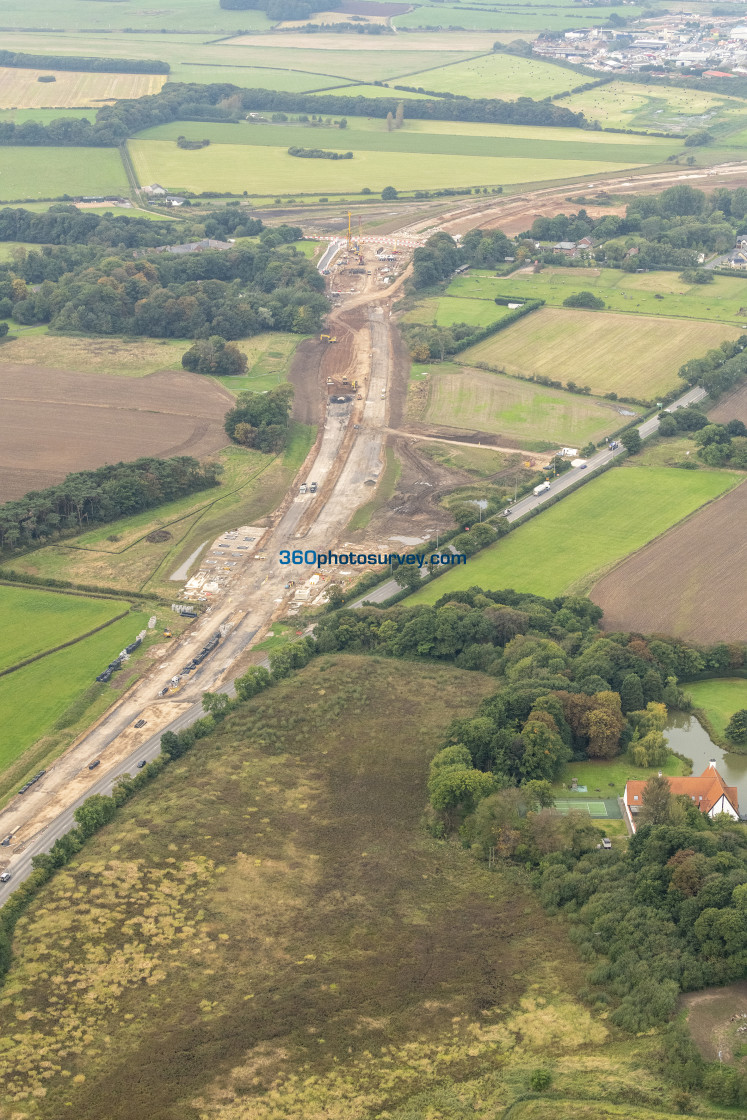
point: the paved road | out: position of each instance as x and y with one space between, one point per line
558 485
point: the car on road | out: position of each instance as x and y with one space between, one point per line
6 841
312 488
614 445
92 765
5 877
141 764
140 723
302 488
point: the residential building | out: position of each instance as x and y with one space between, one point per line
708 791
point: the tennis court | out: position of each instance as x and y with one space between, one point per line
608 808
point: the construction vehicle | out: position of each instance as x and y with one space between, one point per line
345 379
354 383
543 486
359 397
328 338
167 633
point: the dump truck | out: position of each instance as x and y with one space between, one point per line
541 488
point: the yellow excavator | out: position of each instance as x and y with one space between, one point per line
328 338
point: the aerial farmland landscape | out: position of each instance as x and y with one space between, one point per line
373 521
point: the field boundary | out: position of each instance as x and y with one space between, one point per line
65 645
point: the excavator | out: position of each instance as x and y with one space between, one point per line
328 338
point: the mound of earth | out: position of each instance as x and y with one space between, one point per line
158 536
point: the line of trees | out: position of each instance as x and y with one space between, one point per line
64 224
95 497
83 63
281 9
317 153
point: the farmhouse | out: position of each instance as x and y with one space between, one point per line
738 259
155 189
708 791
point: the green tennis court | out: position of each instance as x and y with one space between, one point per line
608 808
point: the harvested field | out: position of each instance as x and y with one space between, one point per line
21 88
118 356
689 582
733 407
73 422
635 356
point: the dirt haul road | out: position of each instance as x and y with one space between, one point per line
345 462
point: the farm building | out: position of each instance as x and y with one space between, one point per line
155 189
708 791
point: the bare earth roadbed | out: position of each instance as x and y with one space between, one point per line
689 582
81 421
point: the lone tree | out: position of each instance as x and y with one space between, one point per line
656 807
584 299
736 728
389 121
631 441
389 193
215 356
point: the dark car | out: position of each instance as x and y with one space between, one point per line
94 764
141 764
6 841
140 723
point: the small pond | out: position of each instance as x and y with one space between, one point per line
687 737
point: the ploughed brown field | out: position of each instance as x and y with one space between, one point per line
733 407
53 421
689 582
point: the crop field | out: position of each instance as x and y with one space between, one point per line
719 699
21 88
648 293
534 416
498 75
34 621
77 421
408 50
237 167
731 407
119 357
447 310
33 698
29 173
623 105
634 356
687 583
565 548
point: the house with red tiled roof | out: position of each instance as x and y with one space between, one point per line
708 791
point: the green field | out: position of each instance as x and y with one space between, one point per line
236 167
34 621
536 417
633 356
648 293
387 91
251 77
420 138
52 172
191 15
719 699
33 698
567 546
498 75
624 105
270 355
479 461
528 18
444 311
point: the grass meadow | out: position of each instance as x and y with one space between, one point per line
32 699
623 105
647 293
633 356
34 621
314 952
21 88
497 75
572 543
192 15
29 173
444 311
536 417
719 699
237 167
529 18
